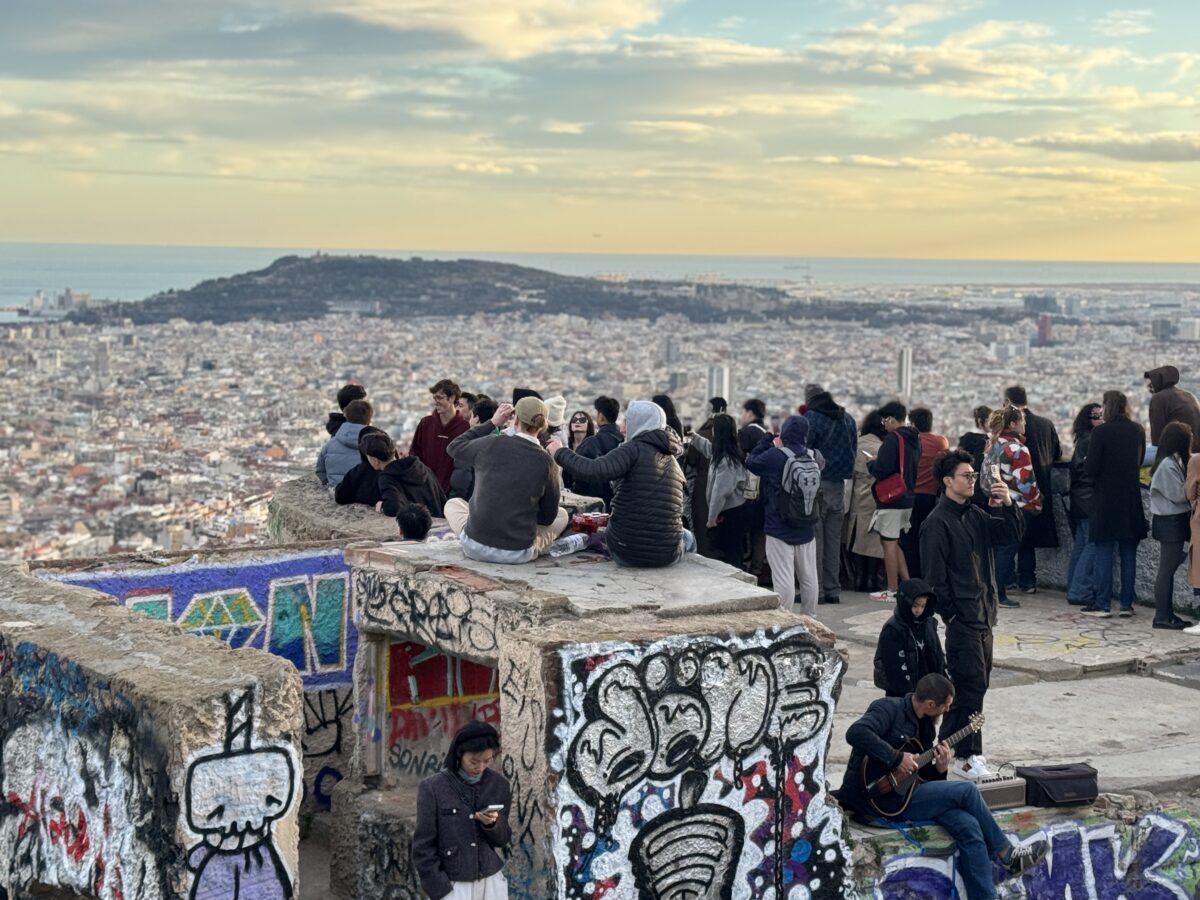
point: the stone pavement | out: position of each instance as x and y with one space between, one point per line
1065 688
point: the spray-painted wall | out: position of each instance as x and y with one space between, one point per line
102 796
695 766
1156 857
297 605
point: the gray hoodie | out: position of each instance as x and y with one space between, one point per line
1167 497
725 482
339 455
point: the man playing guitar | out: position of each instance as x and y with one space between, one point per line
877 739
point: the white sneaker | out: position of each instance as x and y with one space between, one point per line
972 768
1194 629
884 596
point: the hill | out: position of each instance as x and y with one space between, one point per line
295 287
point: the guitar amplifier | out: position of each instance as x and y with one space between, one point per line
1002 791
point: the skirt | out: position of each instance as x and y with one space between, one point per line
494 887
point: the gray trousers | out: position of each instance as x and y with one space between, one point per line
831 512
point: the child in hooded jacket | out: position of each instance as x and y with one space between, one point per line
909 646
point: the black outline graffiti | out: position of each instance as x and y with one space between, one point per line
689 851
433 612
230 837
318 718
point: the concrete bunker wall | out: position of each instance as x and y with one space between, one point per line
646 717
294 602
138 762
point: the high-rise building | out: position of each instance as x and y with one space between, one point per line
904 374
677 381
1162 329
718 381
672 350
1044 329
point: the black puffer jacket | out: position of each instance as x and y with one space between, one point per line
909 647
646 524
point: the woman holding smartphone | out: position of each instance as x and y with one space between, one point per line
462 820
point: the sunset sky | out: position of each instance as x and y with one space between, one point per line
943 129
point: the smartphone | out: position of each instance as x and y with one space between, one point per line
994 471
495 807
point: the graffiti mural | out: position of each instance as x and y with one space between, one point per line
295 605
695 768
84 798
1156 858
430 696
233 794
437 612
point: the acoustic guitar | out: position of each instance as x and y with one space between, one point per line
888 792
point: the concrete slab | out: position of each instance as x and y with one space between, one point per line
1045 637
1184 674
594 585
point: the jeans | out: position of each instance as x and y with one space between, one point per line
1081 574
1006 564
831 512
687 544
1104 572
1026 566
1170 555
959 808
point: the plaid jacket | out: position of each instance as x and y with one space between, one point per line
837 441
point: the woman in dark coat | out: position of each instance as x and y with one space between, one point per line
462 820
645 526
1081 588
1118 521
909 646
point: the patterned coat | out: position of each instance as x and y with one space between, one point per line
1016 471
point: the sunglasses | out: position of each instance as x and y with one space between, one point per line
579 420
1097 416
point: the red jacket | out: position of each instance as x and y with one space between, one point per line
430 442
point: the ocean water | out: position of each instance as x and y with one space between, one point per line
131 272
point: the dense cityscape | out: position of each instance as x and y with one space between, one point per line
172 436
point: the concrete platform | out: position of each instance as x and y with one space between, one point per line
1045 637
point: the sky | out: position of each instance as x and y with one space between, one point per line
958 129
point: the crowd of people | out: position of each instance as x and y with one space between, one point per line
886 506
825 503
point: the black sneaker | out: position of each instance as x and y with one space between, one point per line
1009 603
1025 857
830 600
1173 625
1126 612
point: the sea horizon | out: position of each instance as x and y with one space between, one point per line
136 271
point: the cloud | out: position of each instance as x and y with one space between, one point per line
701 51
556 126
510 30
804 106
1160 146
671 129
1123 23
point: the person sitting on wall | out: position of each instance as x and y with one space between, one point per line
646 525
402 479
340 453
513 515
462 479
955 805
345 397
435 432
462 820
361 484
414 521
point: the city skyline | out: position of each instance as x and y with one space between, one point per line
951 129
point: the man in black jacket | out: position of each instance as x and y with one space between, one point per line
401 479
754 415
955 805
607 438
958 561
1041 439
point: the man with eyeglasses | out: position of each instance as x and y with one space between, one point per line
959 562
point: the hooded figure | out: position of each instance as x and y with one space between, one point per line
1169 403
645 527
909 646
408 480
457 835
360 484
339 455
